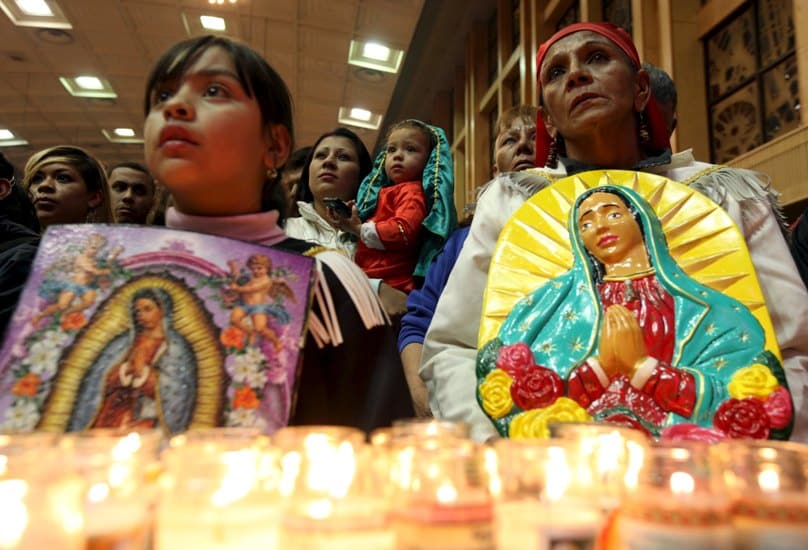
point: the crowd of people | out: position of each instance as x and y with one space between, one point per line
405 279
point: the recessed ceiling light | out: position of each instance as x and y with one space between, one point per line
9 138
39 8
359 117
371 50
89 82
88 86
373 55
121 135
35 13
212 23
360 114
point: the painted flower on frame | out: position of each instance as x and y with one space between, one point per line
26 386
245 398
21 416
248 368
42 359
73 321
496 393
755 381
233 337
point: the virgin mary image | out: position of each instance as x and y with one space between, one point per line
626 336
149 357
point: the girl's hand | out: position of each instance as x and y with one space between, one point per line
622 343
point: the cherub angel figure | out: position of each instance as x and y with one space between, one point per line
76 293
260 296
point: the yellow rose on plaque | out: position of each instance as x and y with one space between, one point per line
536 423
755 381
496 393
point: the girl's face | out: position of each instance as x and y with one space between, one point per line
334 170
205 141
407 153
60 194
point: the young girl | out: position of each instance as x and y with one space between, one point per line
411 187
218 126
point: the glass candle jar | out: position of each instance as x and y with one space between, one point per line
608 458
333 496
679 501
41 501
120 469
768 482
441 497
541 500
219 490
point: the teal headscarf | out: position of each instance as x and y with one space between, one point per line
438 184
715 335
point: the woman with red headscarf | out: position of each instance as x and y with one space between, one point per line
597 112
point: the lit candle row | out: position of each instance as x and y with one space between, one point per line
416 485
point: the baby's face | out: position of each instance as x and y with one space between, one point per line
407 153
258 270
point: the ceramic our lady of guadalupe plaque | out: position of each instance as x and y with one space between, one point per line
141 327
628 298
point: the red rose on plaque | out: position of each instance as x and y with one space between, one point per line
778 407
742 418
515 359
536 388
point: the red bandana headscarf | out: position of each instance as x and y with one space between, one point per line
653 116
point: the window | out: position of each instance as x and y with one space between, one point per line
493 68
752 87
572 15
618 12
516 10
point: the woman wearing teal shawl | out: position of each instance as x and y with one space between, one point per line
632 339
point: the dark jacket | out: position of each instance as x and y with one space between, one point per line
18 246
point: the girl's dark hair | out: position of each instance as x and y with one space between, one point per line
416 124
259 80
90 169
365 163
597 268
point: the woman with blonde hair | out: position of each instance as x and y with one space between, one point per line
67 185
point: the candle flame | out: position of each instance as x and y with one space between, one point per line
13 512
126 447
238 479
98 492
446 493
769 480
682 483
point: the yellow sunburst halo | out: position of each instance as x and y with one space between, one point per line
534 246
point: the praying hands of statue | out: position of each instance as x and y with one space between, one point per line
621 345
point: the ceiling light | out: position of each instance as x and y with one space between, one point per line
89 82
212 23
35 13
359 117
372 55
38 8
9 138
360 114
121 135
88 86
376 51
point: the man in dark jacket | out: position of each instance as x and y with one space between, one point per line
19 238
